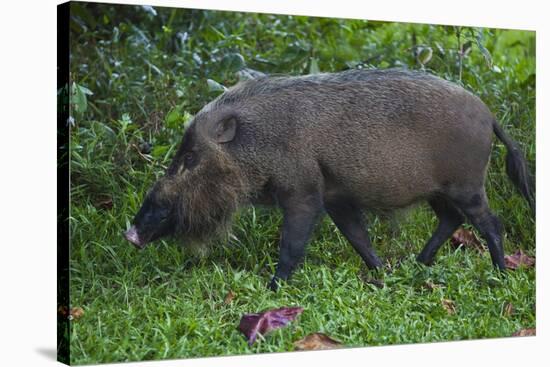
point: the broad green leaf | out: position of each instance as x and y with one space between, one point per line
232 62
78 99
159 151
314 66
214 86
174 118
484 51
85 90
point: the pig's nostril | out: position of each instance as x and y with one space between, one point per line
133 236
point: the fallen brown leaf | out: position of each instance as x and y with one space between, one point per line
467 239
229 297
526 332
518 259
105 202
431 285
449 306
76 313
316 341
261 323
508 309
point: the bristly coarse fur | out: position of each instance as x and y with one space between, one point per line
207 197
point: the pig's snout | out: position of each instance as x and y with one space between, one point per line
133 236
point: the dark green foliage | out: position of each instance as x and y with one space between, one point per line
138 74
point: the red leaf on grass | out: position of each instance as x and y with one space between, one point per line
467 239
261 323
525 332
518 259
76 313
317 341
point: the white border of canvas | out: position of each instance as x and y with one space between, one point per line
28 181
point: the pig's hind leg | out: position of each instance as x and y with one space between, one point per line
351 222
476 208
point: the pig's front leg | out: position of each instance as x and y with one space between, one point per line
300 214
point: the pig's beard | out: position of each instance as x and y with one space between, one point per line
209 197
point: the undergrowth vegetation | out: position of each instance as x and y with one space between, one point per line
138 74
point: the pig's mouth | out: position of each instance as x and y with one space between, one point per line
134 238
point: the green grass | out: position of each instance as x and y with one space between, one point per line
167 301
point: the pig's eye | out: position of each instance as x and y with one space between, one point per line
188 159
163 213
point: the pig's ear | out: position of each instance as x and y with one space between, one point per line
224 130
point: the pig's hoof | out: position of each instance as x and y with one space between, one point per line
501 268
425 260
273 284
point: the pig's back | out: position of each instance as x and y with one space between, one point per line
386 138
